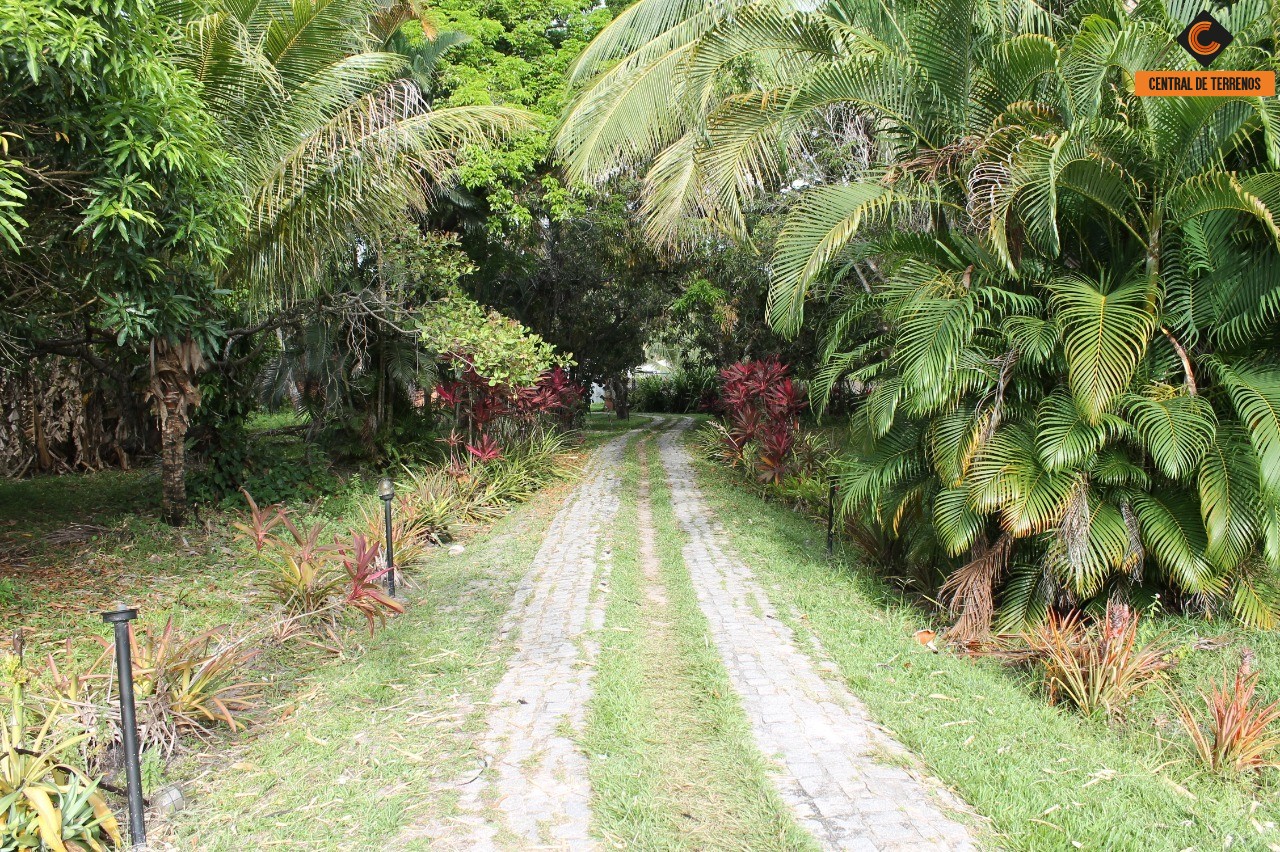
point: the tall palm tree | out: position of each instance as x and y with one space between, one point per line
1062 297
333 141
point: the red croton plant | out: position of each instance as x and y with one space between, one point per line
762 405
479 404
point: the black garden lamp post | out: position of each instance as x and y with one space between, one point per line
119 618
831 516
387 491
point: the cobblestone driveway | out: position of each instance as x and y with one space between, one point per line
828 756
828 751
536 794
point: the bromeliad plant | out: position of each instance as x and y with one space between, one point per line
1096 667
313 583
45 803
1239 733
365 571
188 683
303 576
1059 299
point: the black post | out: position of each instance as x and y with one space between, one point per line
119 618
387 492
831 518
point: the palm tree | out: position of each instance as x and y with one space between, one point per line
333 141
333 135
1062 297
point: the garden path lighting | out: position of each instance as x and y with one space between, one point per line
119 618
387 491
831 516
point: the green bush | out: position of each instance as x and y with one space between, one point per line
680 392
270 471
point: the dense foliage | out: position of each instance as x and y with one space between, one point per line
45 803
236 181
1058 298
115 204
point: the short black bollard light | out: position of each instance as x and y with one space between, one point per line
119 618
387 491
831 518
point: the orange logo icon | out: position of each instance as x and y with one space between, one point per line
1205 38
1194 36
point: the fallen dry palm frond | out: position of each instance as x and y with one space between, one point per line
1098 666
970 591
1239 733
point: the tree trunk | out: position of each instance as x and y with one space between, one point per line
173 468
174 392
621 400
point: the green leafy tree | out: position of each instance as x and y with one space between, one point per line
114 215
1060 298
334 135
594 290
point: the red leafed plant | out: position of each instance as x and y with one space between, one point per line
485 450
481 408
476 402
366 570
1239 733
555 395
257 527
761 404
776 442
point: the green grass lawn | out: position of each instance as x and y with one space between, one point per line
1046 778
70 546
366 745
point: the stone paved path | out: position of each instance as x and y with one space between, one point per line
828 751
535 793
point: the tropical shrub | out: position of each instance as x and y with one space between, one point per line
1096 667
241 465
413 526
182 685
434 502
484 486
365 571
313 583
486 412
1239 732
680 392
188 683
1059 299
554 396
256 528
303 577
761 405
475 488
45 803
